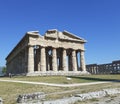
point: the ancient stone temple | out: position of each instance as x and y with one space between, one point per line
55 53
108 68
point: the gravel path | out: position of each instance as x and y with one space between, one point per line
56 85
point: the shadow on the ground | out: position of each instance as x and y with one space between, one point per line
94 79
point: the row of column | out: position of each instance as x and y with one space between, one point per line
54 60
104 68
18 64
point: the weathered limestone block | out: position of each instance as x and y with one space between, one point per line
38 96
98 94
84 96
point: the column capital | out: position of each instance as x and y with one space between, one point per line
30 45
54 48
81 50
43 46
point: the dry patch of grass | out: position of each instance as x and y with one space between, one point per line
10 91
64 80
49 79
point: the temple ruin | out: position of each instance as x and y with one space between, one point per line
108 68
55 53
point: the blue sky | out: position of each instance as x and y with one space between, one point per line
97 21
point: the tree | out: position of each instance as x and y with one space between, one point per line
4 70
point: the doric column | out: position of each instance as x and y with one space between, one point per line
74 61
43 59
54 59
30 59
82 61
64 61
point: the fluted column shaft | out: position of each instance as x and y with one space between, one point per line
54 59
43 60
74 61
64 61
82 61
30 59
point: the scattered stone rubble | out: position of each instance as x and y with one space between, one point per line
98 94
1 100
85 96
31 97
81 97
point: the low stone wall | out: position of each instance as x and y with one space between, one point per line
31 97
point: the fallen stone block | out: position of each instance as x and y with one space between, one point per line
38 96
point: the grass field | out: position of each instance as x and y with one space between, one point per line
63 79
10 91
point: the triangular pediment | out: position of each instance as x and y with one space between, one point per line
65 36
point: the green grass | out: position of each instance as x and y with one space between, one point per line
63 79
10 91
